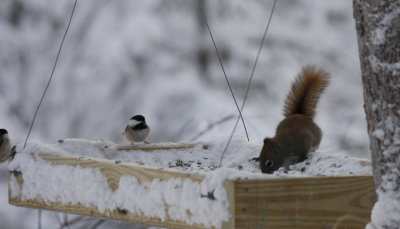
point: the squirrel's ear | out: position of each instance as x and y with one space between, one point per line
272 144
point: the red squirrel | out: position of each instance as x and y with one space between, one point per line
297 134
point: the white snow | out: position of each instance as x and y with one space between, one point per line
390 67
383 25
379 134
386 209
182 196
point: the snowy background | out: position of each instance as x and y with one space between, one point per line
155 58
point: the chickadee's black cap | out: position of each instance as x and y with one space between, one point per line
3 131
139 118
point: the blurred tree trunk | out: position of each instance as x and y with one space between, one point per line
378 30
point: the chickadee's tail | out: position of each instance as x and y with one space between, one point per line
305 92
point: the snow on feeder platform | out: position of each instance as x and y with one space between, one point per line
177 185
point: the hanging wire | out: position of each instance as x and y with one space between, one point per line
249 83
223 70
44 94
51 75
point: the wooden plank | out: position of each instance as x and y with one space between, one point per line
170 146
113 170
309 202
230 191
303 203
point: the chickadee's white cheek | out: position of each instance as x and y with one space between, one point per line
133 122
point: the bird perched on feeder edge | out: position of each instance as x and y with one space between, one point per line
137 130
5 146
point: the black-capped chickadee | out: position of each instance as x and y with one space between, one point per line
5 145
137 129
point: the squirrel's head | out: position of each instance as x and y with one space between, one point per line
270 156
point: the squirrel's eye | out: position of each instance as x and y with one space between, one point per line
268 163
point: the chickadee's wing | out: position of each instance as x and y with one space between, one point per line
126 128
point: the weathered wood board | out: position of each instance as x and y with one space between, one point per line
315 202
150 147
308 202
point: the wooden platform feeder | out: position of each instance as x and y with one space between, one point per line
304 203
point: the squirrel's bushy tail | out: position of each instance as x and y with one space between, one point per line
305 92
